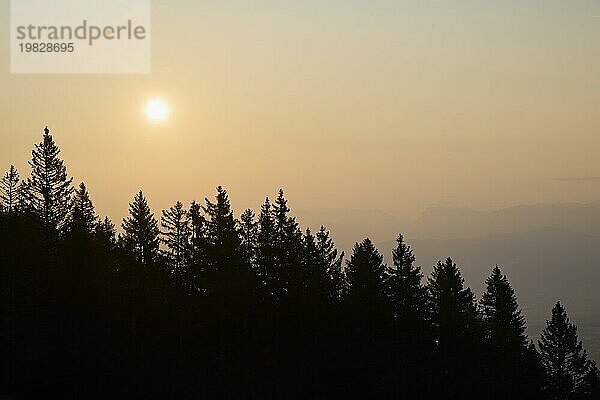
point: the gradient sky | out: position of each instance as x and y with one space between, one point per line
349 104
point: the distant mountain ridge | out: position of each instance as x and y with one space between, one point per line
548 251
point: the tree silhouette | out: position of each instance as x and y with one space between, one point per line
248 231
82 218
9 191
141 231
408 299
566 363
266 255
332 262
251 308
49 188
505 336
407 294
455 324
176 236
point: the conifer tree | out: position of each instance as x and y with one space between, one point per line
9 191
365 271
505 335
141 231
49 188
456 330
248 230
288 248
225 274
505 325
176 236
404 285
82 218
333 263
314 271
265 253
105 233
198 252
568 369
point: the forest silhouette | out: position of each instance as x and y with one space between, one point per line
196 303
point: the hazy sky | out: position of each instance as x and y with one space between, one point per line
348 104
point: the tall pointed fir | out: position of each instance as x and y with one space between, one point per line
49 188
198 252
509 354
456 330
227 277
408 298
570 375
248 231
317 285
176 237
333 262
288 248
82 218
404 286
141 231
365 271
266 254
9 191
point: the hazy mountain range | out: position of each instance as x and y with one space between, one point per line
550 252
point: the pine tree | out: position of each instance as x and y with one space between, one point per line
49 188
199 247
9 191
404 285
226 276
176 236
333 263
288 248
566 363
456 330
141 231
365 271
82 218
105 233
505 325
314 271
248 231
265 253
505 335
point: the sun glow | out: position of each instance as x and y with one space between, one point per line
157 110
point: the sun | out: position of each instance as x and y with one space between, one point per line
157 110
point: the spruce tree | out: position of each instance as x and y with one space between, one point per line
9 191
176 237
288 248
505 337
314 271
49 188
82 218
226 275
141 231
504 323
411 344
248 231
333 263
198 252
404 286
456 331
266 254
566 363
365 271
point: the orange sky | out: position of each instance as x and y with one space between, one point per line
358 104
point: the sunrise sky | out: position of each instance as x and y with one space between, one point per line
344 104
